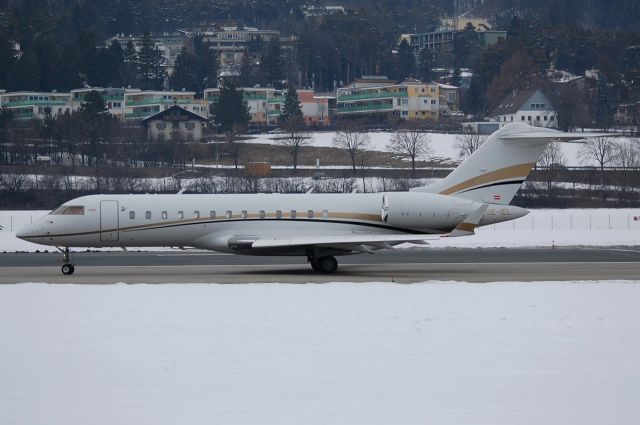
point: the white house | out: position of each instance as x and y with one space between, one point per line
527 106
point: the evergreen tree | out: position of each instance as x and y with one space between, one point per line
425 66
231 111
129 69
149 64
272 68
247 72
207 65
8 62
291 108
185 74
456 78
406 61
603 107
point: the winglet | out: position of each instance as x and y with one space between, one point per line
468 226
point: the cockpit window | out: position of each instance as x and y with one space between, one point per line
68 210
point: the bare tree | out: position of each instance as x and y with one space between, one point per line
353 141
552 162
295 138
410 143
627 160
602 150
468 142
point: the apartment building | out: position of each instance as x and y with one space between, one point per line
410 100
170 44
27 105
143 104
113 98
265 105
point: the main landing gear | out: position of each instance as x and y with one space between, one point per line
67 267
326 264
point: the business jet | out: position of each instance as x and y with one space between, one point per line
318 226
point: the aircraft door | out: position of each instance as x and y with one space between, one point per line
109 222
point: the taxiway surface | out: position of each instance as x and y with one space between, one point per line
402 266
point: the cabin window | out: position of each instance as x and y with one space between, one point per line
180 215
310 214
261 213
325 213
132 215
147 215
68 210
293 213
243 214
212 214
278 214
196 214
164 215
229 214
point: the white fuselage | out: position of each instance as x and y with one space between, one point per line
221 222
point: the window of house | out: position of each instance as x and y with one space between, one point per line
538 118
164 215
243 214
196 214
212 214
190 125
522 117
529 118
175 125
511 117
433 101
147 215
310 214
278 214
132 215
261 214
180 215
293 213
405 113
161 125
551 118
325 213
229 214
546 118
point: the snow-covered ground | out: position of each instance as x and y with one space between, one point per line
374 353
442 144
568 227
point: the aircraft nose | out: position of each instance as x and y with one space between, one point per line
25 232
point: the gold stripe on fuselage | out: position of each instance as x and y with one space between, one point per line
512 172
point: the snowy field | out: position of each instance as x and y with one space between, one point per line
442 145
436 353
541 228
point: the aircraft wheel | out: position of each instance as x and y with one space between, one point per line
68 269
328 264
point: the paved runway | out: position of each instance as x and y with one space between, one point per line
401 266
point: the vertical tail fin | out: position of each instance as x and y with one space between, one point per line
497 169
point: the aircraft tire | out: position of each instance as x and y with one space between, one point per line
68 269
315 264
328 264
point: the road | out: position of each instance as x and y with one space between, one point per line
401 266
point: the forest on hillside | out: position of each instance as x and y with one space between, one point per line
62 44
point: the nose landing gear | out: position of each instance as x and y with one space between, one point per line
67 267
327 264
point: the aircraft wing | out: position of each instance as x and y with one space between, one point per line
361 241
336 241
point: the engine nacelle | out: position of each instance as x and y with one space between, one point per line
439 213
425 210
